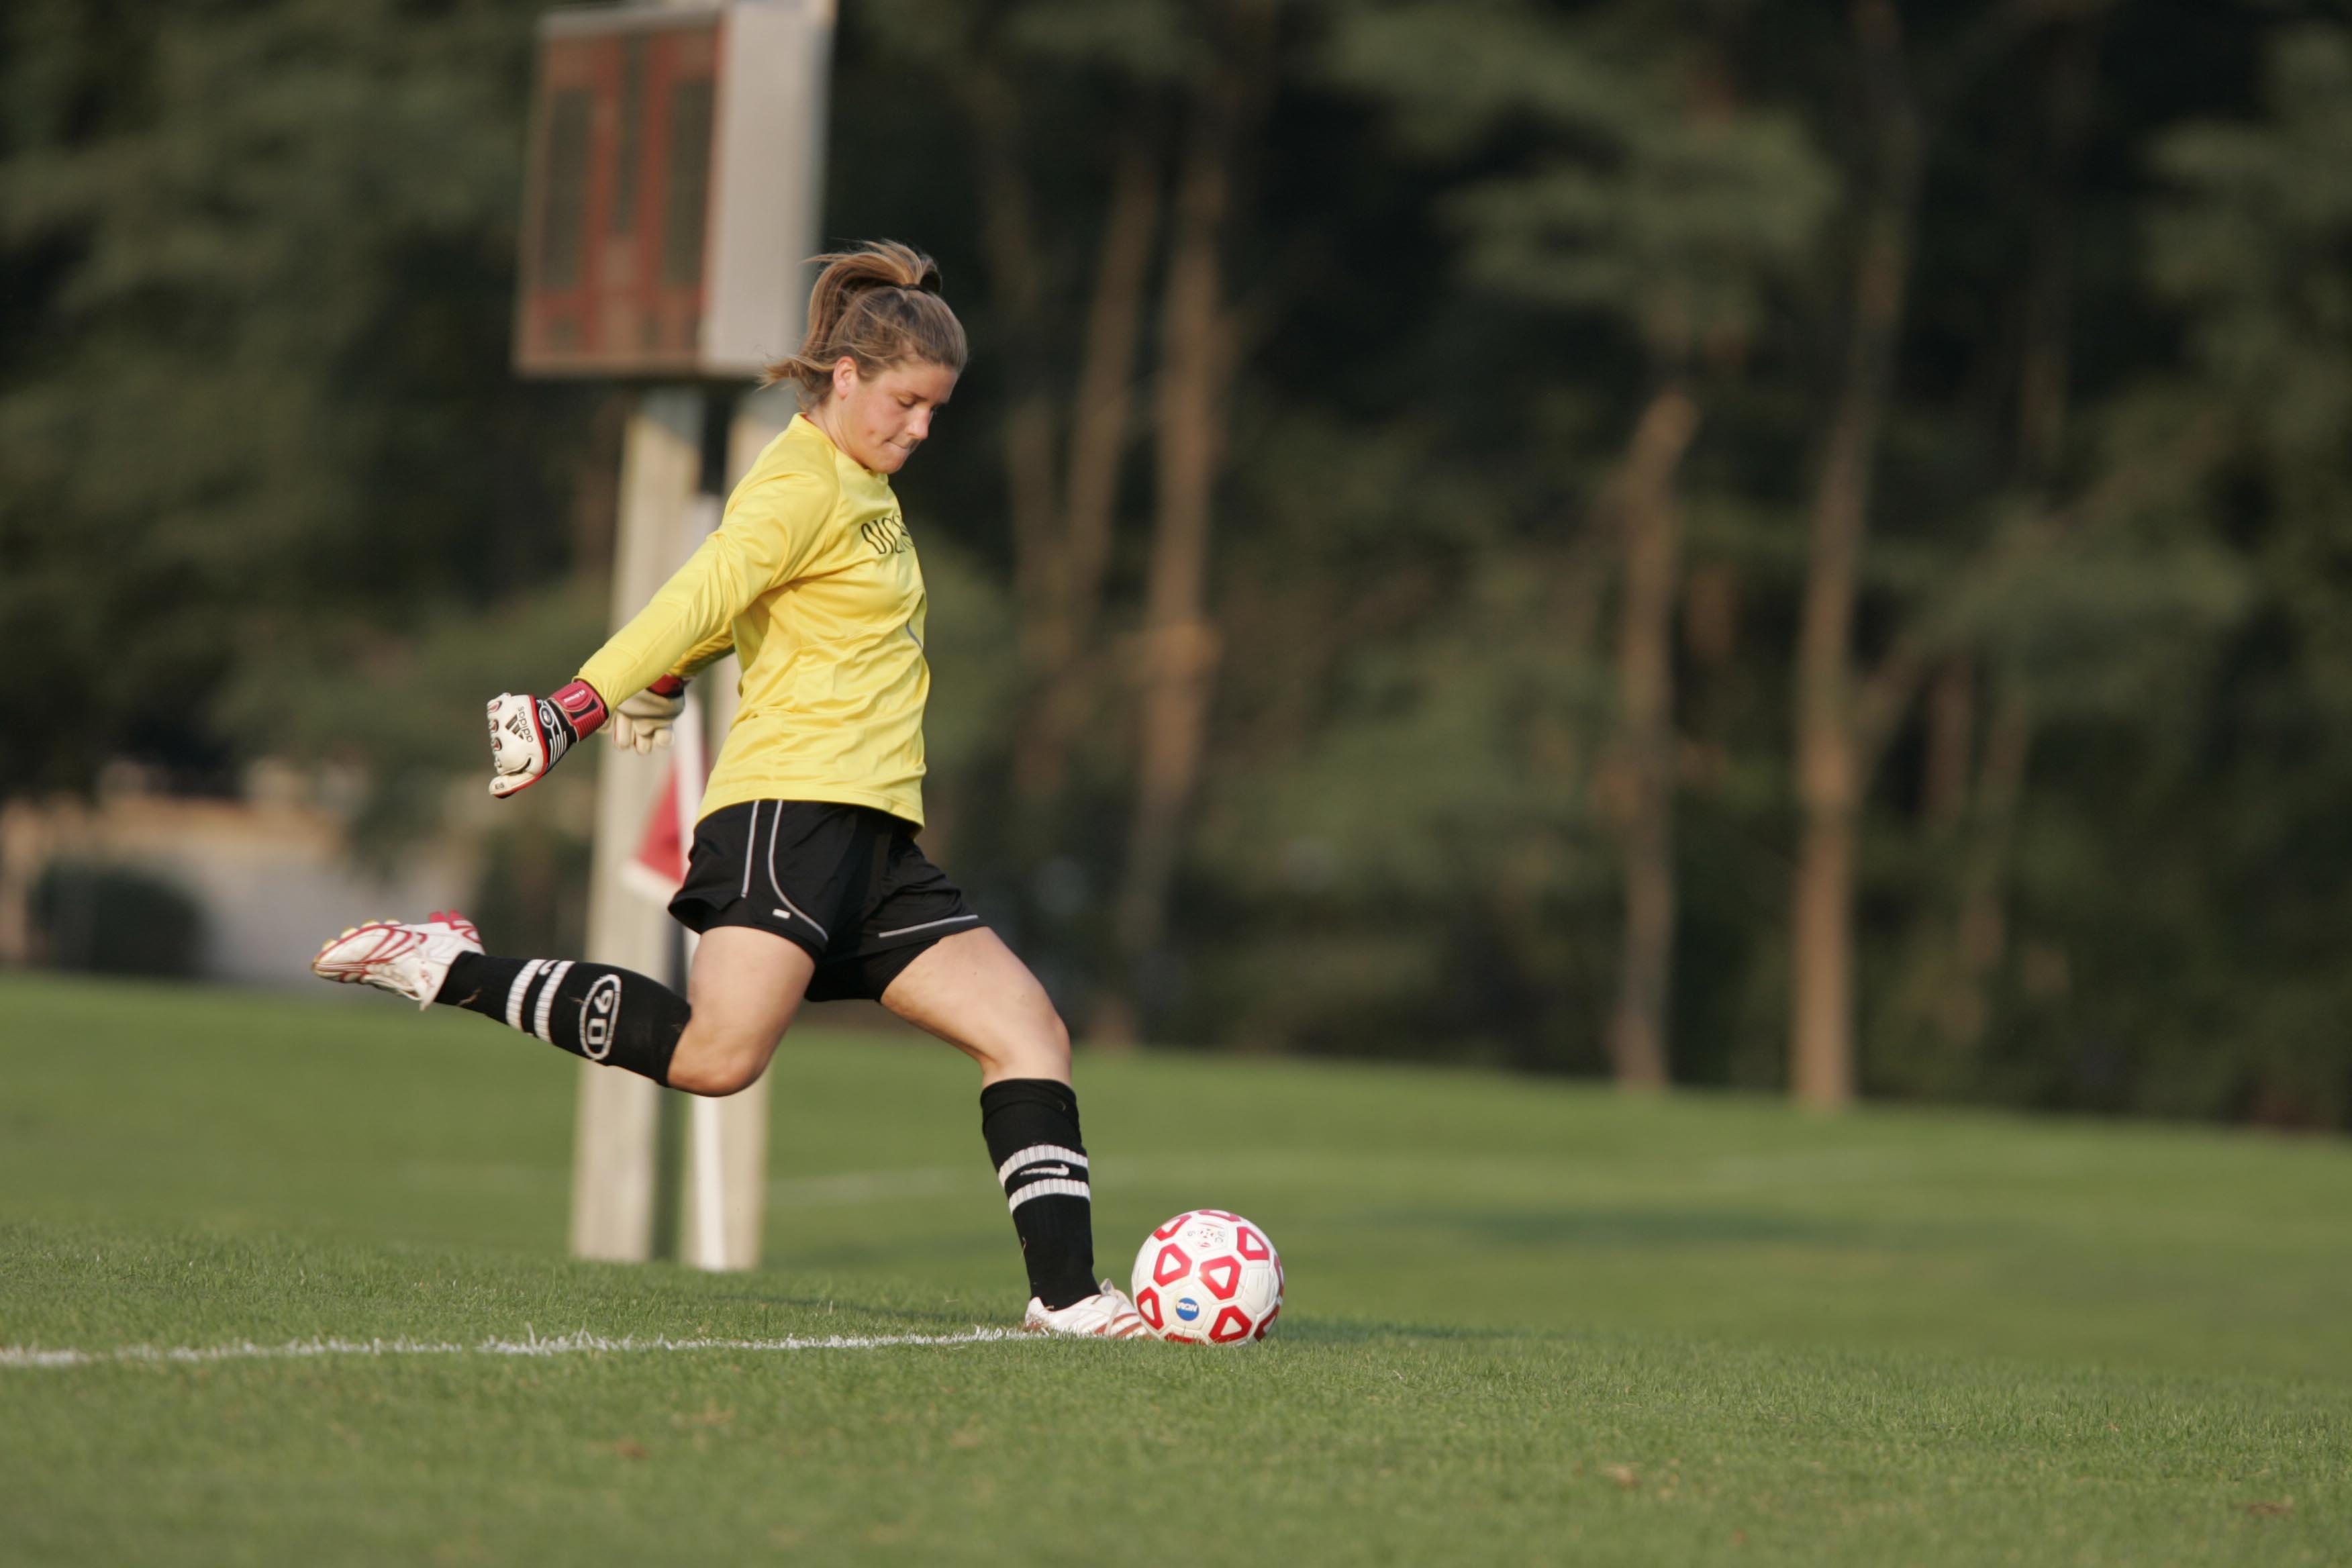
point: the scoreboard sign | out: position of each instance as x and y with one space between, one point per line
671 195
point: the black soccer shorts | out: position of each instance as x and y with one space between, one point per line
846 882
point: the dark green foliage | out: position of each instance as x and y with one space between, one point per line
261 259
262 467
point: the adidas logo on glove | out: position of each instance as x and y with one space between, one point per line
530 735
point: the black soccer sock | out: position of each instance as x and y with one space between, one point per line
593 1010
1031 1127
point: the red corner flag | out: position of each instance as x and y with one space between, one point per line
657 870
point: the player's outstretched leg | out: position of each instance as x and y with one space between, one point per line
605 1014
971 991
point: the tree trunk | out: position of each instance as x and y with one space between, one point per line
1828 751
2044 361
1951 742
1063 670
1650 526
1180 646
1983 929
2044 399
1016 268
1061 523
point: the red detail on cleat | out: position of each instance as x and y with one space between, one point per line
386 938
456 923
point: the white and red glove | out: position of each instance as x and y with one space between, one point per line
530 735
643 722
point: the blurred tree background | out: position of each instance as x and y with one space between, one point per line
1798 546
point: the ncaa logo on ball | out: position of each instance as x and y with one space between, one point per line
597 1011
1187 1309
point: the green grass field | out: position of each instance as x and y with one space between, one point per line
1527 1322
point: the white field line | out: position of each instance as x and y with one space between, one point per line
578 1343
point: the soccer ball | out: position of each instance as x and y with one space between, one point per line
1209 1278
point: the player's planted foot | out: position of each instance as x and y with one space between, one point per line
1107 1314
409 961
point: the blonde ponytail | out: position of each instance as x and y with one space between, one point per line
878 303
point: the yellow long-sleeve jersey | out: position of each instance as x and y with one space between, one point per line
810 578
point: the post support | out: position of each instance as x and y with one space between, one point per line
616 1151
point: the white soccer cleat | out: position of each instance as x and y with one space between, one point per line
409 961
1107 1314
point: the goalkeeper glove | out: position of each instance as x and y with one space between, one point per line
643 722
529 734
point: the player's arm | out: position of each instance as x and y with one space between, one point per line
687 624
703 655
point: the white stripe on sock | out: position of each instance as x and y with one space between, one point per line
1040 1152
516 992
1051 1187
547 1001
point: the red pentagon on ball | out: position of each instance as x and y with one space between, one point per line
1253 1246
1268 1323
1231 1324
1170 1265
1148 1306
1222 1290
1172 1227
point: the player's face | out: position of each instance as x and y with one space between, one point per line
880 419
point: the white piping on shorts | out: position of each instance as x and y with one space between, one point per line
902 931
775 831
750 844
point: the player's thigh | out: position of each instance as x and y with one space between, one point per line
971 991
745 988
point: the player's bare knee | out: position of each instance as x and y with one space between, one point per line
1040 1050
714 1064
716 1076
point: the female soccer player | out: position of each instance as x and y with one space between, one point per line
804 879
